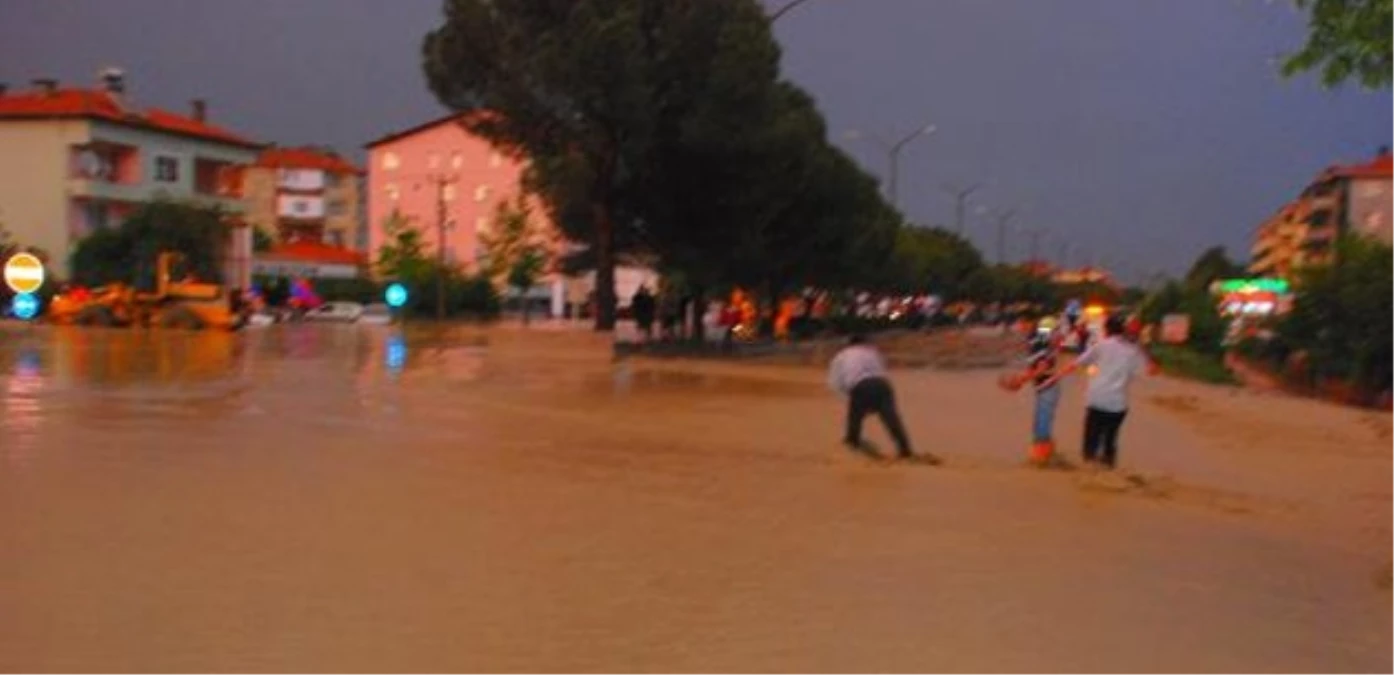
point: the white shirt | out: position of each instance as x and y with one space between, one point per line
1118 362
852 365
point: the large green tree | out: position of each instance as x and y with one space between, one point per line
1346 39
127 253
764 202
584 88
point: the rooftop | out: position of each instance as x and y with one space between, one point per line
1379 167
430 124
312 251
104 105
306 158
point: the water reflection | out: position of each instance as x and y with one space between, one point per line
300 376
21 404
396 352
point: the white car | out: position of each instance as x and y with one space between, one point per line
376 314
344 312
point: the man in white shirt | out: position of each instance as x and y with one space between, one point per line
1118 362
859 373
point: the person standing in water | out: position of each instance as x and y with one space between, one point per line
859 372
642 306
1119 362
1043 358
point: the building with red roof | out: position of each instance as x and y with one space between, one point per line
308 202
80 159
1343 199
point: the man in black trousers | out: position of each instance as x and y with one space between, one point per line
859 373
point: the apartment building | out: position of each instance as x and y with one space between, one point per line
1343 199
303 194
74 160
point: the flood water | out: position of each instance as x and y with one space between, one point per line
353 498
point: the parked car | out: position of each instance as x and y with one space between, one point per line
344 312
377 314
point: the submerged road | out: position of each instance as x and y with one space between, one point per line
338 498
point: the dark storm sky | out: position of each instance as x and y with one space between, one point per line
1141 131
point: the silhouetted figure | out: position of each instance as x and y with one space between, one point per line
642 307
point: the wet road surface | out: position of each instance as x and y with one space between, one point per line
343 498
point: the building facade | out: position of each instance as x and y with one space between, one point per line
79 160
436 170
303 194
1344 199
1278 243
443 181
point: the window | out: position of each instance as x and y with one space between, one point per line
334 238
167 169
391 161
481 193
392 192
481 225
495 160
447 193
456 160
433 161
337 207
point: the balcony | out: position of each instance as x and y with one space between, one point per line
105 171
88 188
218 184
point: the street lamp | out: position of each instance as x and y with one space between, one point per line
893 155
1003 217
960 200
785 9
1035 234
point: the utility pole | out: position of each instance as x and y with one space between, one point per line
960 200
440 182
1002 219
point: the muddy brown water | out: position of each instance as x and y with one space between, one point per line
346 498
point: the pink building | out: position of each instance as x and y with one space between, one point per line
411 172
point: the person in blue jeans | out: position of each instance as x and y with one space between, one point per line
1044 356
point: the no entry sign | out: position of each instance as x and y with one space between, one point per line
24 273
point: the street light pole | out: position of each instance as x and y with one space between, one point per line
785 9
1002 219
893 156
960 200
1035 234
